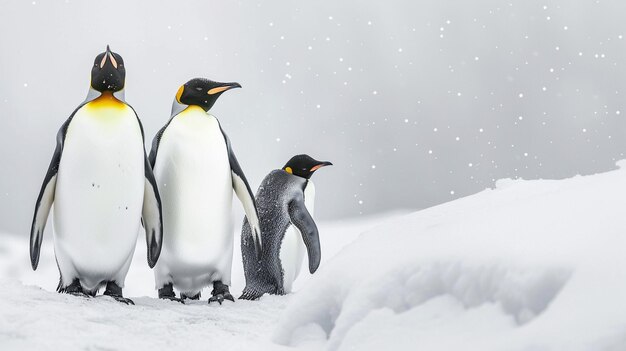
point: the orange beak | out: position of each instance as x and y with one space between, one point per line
323 164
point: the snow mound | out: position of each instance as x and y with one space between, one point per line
531 265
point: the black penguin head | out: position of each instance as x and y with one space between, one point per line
304 166
108 72
202 92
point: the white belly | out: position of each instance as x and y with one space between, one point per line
292 249
99 193
194 178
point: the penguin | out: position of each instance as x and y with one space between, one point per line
286 200
102 188
197 170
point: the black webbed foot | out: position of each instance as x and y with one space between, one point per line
194 297
167 293
115 291
74 289
217 298
220 293
172 298
228 296
78 294
121 299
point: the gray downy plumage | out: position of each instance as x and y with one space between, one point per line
280 203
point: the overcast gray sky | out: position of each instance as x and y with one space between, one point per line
415 102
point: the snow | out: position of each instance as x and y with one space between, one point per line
529 265
37 319
33 316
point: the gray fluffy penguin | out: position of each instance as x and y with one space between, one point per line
285 202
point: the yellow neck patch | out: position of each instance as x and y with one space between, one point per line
289 170
192 108
106 100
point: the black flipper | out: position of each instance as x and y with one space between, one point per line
151 214
46 195
245 195
301 218
42 208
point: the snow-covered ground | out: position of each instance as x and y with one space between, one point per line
530 265
33 316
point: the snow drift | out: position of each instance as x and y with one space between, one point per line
530 265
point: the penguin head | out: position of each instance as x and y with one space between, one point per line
304 166
108 72
202 92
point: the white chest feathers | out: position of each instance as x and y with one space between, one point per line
193 173
292 249
99 190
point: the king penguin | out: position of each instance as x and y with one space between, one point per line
196 169
102 186
286 200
